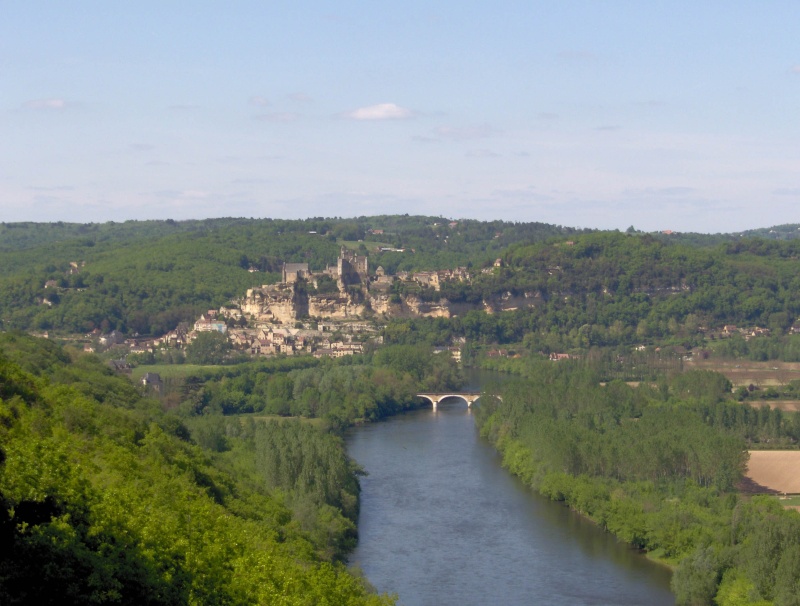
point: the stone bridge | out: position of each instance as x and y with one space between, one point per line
468 396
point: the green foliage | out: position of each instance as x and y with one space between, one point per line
146 277
696 579
612 289
658 468
208 347
341 391
603 289
103 500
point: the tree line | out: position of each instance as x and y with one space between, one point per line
658 465
340 391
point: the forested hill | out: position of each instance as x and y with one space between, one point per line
611 289
104 499
146 276
20 236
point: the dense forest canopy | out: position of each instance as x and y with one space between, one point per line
611 289
145 277
105 499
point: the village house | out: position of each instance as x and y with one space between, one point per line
239 340
152 380
292 272
120 366
454 352
206 324
113 338
755 332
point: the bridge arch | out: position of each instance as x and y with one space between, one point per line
435 398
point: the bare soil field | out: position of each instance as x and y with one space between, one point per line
773 471
745 372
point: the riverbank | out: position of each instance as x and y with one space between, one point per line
657 468
441 522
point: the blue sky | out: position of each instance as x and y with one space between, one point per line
662 115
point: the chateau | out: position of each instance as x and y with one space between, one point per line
303 293
349 269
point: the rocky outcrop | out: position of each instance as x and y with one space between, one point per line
418 307
274 303
288 303
510 302
335 307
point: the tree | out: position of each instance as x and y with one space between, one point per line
208 348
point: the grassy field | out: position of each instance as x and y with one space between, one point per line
793 501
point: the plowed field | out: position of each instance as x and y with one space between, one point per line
773 471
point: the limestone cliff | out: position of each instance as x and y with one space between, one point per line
288 303
335 307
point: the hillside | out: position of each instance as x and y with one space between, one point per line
106 500
569 288
145 277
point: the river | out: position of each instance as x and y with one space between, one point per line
442 523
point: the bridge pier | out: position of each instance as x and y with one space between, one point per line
435 398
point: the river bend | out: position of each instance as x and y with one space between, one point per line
442 523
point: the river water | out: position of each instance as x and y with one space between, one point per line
442 523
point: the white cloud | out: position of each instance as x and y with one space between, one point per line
382 111
259 101
795 69
45 104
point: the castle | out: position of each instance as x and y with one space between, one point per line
302 294
350 269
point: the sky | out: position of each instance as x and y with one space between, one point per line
601 114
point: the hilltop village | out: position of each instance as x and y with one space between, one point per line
333 312
337 311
